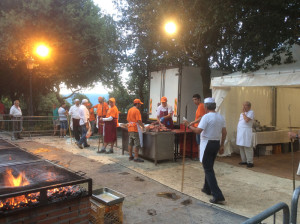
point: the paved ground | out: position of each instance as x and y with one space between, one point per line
142 205
247 191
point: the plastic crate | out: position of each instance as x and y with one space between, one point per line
104 214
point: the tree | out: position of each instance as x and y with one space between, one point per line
84 46
231 35
79 96
123 99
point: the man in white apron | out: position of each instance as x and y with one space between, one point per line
212 129
135 126
244 135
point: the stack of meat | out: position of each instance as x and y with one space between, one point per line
156 127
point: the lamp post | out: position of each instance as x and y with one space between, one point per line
171 29
30 64
43 52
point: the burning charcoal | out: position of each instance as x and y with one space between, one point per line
23 204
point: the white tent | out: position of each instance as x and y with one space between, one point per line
269 90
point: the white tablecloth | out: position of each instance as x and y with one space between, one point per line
270 137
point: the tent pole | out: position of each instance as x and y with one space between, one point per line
292 149
274 105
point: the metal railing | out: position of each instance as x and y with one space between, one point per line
287 217
271 212
294 205
29 125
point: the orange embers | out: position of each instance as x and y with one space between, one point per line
60 192
10 181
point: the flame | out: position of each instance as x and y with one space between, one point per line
30 199
11 181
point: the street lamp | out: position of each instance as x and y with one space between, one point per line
170 27
30 65
42 51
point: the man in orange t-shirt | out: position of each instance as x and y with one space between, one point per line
134 119
110 126
199 114
102 109
92 118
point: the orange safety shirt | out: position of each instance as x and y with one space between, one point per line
113 112
92 115
101 109
133 116
199 113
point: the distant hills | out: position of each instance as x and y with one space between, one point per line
93 98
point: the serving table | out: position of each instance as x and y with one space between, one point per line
272 137
157 146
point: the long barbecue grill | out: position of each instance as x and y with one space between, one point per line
43 178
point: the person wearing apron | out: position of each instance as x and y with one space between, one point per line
244 135
212 129
84 124
165 113
135 126
110 126
102 109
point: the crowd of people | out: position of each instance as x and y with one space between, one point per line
208 125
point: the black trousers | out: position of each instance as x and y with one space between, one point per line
76 129
208 161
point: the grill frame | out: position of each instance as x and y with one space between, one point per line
43 199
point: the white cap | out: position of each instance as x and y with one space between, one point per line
76 100
209 100
84 101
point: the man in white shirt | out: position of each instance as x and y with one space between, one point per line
74 112
84 123
244 135
212 129
164 113
16 115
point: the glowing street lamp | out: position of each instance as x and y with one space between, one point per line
170 27
30 65
42 50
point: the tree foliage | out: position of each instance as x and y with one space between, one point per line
230 35
83 45
79 96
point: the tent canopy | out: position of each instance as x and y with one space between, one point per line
271 91
276 75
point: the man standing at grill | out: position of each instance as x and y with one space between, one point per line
74 112
16 115
212 129
165 113
135 126
102 109
84 123
110 126
244 135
